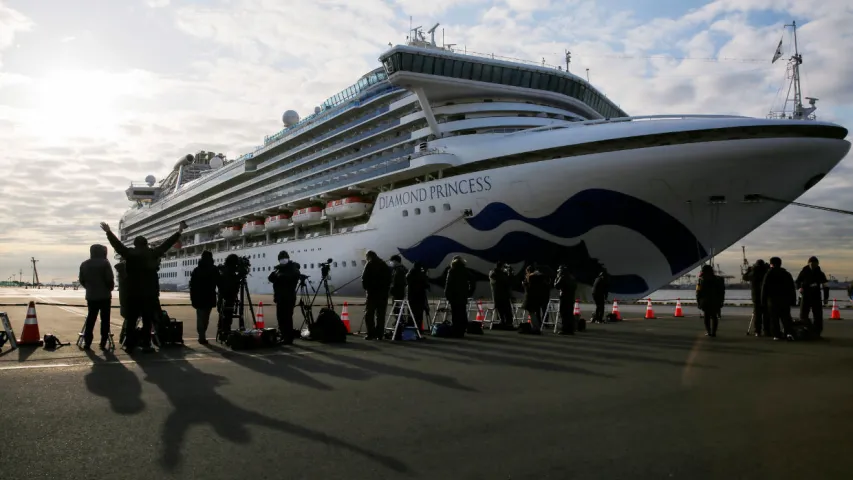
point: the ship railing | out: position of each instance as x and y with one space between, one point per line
622 120
429 151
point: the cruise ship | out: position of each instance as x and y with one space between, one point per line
438 153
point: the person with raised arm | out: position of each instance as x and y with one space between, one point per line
143 283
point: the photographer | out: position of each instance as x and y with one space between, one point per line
203 281
376 280
398 280
284 279
418 286
230 275
500 280
567 285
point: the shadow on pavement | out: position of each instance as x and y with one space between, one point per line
112 380
193 395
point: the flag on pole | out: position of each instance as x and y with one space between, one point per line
778 52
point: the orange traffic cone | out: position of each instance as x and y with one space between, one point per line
345 318
615 311
836 314
259 321
577 311
650 314
30 335
678 311
481 316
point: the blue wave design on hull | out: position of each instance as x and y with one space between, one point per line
597 207
518 247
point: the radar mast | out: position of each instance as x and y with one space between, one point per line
795 92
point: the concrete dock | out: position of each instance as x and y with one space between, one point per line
635 399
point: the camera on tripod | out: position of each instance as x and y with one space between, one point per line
244 266
324 268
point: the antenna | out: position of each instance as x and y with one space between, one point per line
431 31
568 59
587 75
799 112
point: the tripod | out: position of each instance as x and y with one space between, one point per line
237 310
306 304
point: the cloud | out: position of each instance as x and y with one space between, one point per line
77 129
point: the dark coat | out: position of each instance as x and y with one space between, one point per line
203 282
566 284
811 280
376 278
418 284
398 281
458 285
142 265
501 285
601 285
755 276
96 275
710 292
778 288
537 290
285 279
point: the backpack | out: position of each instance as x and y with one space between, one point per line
328 328
442 330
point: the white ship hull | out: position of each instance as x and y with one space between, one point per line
642 213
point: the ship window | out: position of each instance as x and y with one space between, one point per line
447 206
431 209
417 211
477 71
312 265
335 264
305 266
448 68
265 255
405 213
355 264
534 80
457 69
418 63
487 74
466 70
428 65
407 61
363 262
438 66
525 79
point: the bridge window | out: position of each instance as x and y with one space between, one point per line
429 63
431 209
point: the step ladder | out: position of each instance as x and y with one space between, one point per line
398 320
82 341
552 314
442 309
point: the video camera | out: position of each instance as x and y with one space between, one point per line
244 266
324 268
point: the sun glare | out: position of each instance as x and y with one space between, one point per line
75 104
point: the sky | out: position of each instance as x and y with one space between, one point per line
97 93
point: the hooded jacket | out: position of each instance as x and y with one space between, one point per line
458 286
398 280
812 280
778 289
203 283
96 275
142 265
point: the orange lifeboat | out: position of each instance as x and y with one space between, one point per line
307 216
348 207
232 232
253 227
277 222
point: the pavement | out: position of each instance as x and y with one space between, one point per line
634 399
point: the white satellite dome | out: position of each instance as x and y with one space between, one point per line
150 180
316 109
216 162
290 118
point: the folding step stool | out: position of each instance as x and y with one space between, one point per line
552 314
401 320
443 307
82 341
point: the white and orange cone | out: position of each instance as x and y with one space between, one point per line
259 321
615 311
650 313
836 314
678 311
481 315
577 311
30 335
345 318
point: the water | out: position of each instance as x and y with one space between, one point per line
732 296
